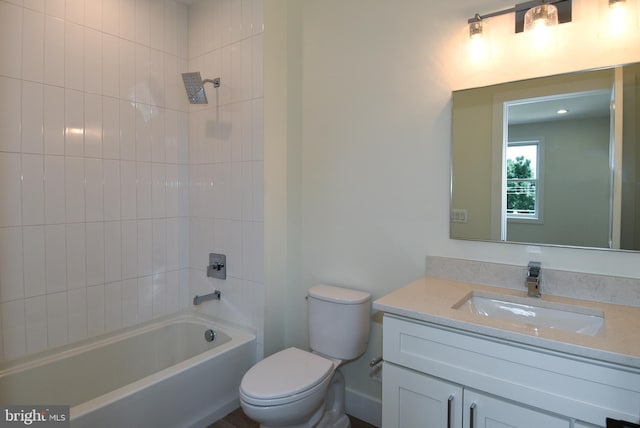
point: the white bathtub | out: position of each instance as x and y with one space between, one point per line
159 374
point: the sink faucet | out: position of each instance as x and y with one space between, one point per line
533 280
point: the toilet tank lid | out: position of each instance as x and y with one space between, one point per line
340 295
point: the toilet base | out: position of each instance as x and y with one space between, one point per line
320 419
334 421
310 423
334 415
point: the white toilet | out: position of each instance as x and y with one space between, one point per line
296 388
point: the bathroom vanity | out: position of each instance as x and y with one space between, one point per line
552 362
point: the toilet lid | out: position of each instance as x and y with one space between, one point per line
344 296
284 374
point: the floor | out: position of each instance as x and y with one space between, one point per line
237 419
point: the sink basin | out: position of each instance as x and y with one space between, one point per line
529 310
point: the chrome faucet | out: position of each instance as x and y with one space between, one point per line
533 281
216 295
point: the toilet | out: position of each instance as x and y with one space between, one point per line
301 389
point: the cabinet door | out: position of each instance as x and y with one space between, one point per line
483 411
415 400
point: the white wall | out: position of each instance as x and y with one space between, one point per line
282 128
226 168
368 175
93 168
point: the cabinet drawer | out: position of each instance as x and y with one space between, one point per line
577 387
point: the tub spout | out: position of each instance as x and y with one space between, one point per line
211 296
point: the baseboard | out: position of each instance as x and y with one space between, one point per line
363 407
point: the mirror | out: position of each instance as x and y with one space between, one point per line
549 161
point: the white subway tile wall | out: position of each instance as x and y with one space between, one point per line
94 167
226 168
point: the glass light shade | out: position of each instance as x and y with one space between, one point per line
475 30
544 15
478 46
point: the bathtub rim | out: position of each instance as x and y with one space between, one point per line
239 336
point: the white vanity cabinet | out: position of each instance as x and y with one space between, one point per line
442 377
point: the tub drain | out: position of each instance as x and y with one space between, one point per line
209 335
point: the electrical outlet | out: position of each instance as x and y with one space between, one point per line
458 215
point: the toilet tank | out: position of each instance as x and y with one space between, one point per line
339 321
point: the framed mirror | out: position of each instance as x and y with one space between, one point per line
549 161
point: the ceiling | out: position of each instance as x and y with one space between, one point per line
579 105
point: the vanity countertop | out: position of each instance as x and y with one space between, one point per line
432 300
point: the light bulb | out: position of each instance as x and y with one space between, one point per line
478 49
617 17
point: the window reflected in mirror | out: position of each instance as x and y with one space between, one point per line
522 180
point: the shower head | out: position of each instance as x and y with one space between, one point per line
194 86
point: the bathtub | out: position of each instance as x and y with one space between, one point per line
159 374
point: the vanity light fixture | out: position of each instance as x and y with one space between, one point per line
528 15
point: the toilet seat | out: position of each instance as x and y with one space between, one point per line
287 376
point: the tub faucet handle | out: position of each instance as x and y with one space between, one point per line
217 267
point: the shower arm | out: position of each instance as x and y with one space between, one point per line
216 82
